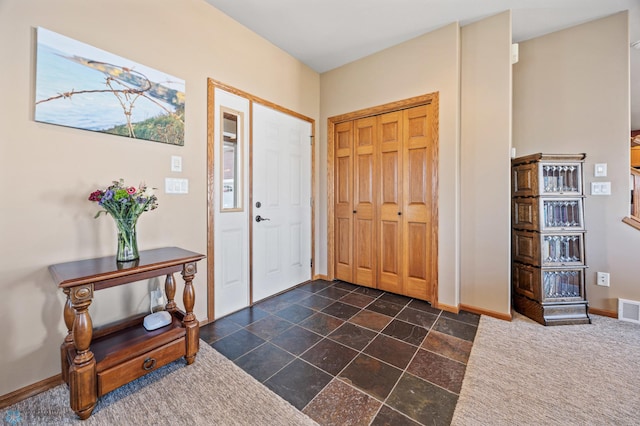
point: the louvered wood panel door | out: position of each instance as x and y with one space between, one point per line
418 231
364 211
343 211
389 206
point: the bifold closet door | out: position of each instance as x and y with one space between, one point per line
419 231
355 211
384 201
364 202
343 211
389 177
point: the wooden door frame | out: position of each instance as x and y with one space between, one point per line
427 99
212 193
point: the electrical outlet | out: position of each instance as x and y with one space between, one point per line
602 278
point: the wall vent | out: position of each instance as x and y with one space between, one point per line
629 310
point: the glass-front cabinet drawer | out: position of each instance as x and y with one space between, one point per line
562 284
558 214
561 178
562 249
548 284
558 249
548 214
548 178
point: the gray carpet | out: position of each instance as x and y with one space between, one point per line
212 391
522 373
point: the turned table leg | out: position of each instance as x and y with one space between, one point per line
189 321
69 316
170 291
82 372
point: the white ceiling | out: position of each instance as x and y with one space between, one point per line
325 34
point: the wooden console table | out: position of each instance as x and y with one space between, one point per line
95 362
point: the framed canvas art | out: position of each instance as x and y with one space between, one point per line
80 86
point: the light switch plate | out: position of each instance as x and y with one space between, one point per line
176 186
600 170
176 163
600 188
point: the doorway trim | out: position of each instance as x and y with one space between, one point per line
426 99
211 189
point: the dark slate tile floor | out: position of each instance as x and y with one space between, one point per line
345 354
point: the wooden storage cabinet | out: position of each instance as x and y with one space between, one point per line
548 232
97 361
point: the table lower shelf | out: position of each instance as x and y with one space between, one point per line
137 367
127 351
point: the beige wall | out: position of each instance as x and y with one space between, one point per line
565 98
426 64
48 171
485 147
571 95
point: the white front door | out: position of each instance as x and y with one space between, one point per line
231 203
281 201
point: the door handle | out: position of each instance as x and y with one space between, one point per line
260 218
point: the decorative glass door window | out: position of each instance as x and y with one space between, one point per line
562 249
560 284
561 179
231 155
560 214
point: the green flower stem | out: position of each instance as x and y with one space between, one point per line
127 240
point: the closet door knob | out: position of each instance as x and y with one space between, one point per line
399 213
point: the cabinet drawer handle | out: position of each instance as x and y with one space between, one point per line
149 364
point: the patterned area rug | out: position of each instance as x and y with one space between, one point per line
212 391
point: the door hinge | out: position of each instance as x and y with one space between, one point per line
311 140
311 263
310 201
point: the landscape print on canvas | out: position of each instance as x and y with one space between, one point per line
80 86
